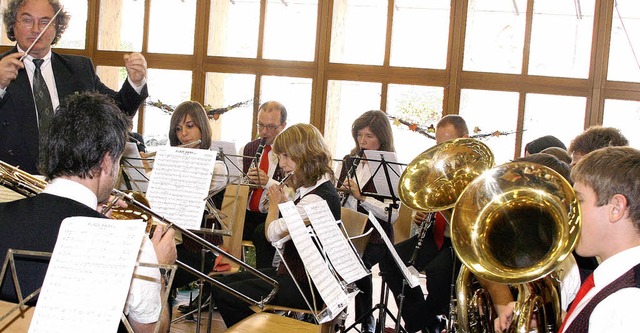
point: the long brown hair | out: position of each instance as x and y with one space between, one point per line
200 119
379 124
304 144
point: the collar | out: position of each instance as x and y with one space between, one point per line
46 58
302 191
616 265
71 190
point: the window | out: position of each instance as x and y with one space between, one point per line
121 25
623 115
359 30
171 21
624 52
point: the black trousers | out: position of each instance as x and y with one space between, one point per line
373 254
233 309
438 265
254 224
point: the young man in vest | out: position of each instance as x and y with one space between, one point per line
607 185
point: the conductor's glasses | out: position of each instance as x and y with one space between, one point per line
28 23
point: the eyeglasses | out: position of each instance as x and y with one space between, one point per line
268 127
28 23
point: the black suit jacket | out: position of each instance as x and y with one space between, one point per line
33 224
18 120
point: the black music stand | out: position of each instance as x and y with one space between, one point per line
389 173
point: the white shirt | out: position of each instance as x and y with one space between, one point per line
619 311
377 207
278 228
143 303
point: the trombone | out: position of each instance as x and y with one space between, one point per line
28 185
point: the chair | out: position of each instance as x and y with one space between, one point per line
234 206
402 227
17 321
355 223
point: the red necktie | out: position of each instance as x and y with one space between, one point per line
438 230
584 289
254 202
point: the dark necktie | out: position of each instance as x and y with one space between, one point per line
42 98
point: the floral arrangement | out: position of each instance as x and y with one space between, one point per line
211 111
431 130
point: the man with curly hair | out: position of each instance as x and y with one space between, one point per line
53 75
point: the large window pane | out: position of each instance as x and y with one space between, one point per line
228 89
414 105
420 33
169 87
290 30
560 116
624 54
346 101
487 112
561 38
358 31
293 92
624 115
121 25
172 26
74 36
233 28
495 36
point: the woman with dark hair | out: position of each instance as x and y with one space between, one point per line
189 123
542 143
301 150
370 131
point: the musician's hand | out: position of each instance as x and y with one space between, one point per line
136 66
419 217
257 176
118 204
165 246
276 196
9 67
505 314
351 186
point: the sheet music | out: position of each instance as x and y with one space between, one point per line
133 167
89 274
379 177
411 275
233 163
335 244
179 184
334 296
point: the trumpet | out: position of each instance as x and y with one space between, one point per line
265 201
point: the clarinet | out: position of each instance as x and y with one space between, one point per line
256 161
351 172
426 223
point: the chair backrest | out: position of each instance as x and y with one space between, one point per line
234 206
402 227
18 321
355 223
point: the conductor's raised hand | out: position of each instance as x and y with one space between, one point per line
9 67
136 66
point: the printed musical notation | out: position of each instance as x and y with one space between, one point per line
89 274
334 296
180 183
334 243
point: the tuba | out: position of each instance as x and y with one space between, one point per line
514 225
432 182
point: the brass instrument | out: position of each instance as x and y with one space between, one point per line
139 209
515 224
20 181
435 179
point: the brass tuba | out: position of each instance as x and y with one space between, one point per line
432 182
20 181
515 224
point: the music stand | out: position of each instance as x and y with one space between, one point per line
386 183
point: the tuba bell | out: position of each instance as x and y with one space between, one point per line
514 225
432 182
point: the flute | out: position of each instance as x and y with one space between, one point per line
265 201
